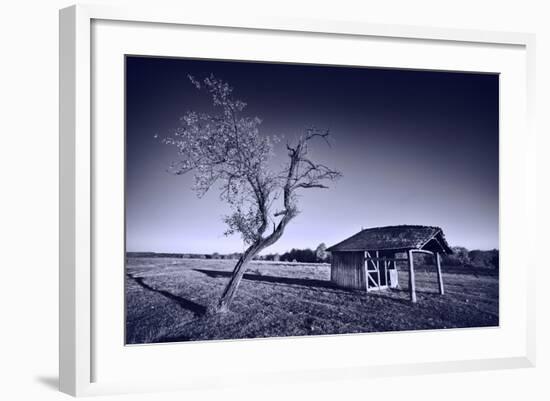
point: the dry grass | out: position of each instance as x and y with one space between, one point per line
167 299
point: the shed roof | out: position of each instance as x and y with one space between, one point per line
396 238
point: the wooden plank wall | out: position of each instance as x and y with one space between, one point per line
347 270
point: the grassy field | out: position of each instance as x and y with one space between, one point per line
166 300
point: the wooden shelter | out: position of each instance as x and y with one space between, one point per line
368 260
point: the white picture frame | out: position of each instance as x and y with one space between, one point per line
78 225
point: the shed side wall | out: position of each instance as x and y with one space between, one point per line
347 270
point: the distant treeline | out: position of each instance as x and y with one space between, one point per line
214 255
475 258
460 256
463 257
319 255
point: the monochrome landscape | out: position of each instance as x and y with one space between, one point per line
275 199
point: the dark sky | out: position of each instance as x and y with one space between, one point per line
415 147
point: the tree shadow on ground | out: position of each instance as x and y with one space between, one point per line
315 283
197 309
272 279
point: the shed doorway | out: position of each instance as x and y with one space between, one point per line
380 271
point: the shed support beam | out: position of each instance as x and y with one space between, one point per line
386 264
439 275
378 268
366 269
412 285
422 251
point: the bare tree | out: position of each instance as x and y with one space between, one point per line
227 148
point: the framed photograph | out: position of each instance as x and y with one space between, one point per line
290 200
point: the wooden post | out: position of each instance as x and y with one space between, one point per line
378 268
439 275
386 272
396 274
412 288
366 268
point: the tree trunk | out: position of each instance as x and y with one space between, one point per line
238 273
248 255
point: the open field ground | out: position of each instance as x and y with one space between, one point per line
167 299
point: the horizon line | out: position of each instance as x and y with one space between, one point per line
280 253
